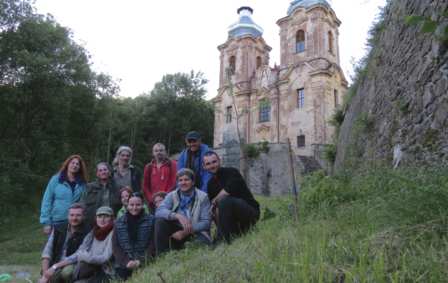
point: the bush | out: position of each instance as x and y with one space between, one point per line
253 150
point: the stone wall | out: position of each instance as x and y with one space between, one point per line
401 105
270 173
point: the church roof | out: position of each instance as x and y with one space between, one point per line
305 4
245 25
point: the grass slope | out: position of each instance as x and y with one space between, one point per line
21 243
378 226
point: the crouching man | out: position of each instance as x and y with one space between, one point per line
182 216
234 208
58 256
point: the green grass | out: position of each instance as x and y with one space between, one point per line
21 243
378 226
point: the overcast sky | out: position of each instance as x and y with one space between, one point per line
138 41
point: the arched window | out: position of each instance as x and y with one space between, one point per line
330 42
264 110
258 62
300 41
232 64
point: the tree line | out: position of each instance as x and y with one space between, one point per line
54 105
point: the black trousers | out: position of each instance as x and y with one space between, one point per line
235 217
163 241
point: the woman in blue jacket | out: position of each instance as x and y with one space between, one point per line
64 189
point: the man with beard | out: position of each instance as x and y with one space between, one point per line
234 208
192 157
58 256
102 192
159 175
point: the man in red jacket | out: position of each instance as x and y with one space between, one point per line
159 175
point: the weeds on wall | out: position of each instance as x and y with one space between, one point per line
437 27
253 150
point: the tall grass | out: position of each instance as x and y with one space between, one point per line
378 226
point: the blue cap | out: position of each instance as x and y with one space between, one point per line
193 135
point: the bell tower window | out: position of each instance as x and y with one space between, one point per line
300 41
330 42
258 62
232 64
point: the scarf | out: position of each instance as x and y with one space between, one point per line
185 201
133 223
101 233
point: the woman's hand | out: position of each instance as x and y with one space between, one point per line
185 222
47 230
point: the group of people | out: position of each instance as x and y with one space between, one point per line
106 229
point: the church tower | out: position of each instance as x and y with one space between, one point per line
312 83
244 52
294 100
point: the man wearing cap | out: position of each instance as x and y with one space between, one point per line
58 256
102 192
192 157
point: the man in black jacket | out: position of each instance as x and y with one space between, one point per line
58 256
234 208
102 192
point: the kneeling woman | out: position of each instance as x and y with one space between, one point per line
132 237
183 215
95 253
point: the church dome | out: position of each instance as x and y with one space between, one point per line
245 25
305 4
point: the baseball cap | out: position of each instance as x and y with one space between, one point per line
104 210
193 135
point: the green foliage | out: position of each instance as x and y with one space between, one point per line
330 153
337 118
365 123
439 27
253 150
380 226
54 105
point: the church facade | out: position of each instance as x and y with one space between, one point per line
296 99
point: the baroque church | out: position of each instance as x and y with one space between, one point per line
296 99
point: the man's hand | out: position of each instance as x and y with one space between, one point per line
185 222
180 235
133 264
47 230
221 195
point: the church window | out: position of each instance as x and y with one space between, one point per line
301 141
336 99
300 98
232 64
229 114
330 42
258 62
300 41
264 111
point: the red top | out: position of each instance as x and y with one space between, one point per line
158 179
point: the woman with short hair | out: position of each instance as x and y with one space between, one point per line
63 189
183 215
132 237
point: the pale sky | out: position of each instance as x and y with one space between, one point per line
139 41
